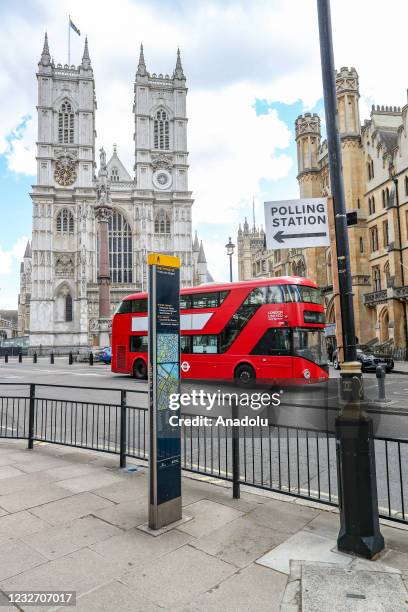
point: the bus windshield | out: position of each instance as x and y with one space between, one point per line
310 344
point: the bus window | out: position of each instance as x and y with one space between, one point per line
271 294
236 323
124 307
139 305
138 344
185 344
205 344
185 301
206 300
274 342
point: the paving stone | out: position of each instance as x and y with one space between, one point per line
17 557
33 496
126 490
64 539
253 588
397 539
326 588
125 515
70 471
40 464
24 482
282 516
20 524
396 559
325 524
178 577
303 546
8 471
80 571
70 508
89 482
113 596
195 491
134 548
207 516
239 542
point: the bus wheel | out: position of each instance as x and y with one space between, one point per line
139 369
245 375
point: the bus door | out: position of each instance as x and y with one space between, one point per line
274 351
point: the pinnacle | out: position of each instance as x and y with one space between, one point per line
141 67
178 71
86 60
45 55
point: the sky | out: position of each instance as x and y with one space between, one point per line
252 67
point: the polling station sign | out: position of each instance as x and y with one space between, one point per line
296 223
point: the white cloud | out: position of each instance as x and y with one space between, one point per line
13 255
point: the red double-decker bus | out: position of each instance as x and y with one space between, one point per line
260 330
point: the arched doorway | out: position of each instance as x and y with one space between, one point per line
384 320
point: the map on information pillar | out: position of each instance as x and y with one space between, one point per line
167 368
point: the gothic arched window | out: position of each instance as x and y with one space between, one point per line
162 222
387 274
115 175
120 249
68 308
65 222
66 123
161 130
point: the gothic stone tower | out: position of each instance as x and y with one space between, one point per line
164 202
62 241
308 143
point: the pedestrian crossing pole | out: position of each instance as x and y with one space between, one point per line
359 523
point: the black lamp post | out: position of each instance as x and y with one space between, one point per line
230 246
358 504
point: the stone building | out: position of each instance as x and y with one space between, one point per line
375 170
23 324
152 207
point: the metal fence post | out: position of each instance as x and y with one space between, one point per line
20 357
52 358
31 417
236 489
70 358
123 429
91 358
6 357
35 357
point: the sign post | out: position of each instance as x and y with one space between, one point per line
164 380
294 224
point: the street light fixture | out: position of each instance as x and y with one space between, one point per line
230 246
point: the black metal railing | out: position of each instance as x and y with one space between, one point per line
291 460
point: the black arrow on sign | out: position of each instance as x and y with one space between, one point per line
281 236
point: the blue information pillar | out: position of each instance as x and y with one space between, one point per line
164 380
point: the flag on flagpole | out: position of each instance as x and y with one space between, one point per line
73 26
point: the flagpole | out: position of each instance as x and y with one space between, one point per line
69 40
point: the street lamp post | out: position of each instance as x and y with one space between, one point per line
358 503
230 246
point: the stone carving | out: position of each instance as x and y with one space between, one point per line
162 160
64 265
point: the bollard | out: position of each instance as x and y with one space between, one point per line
35 358
236 489
20 357
91 359
380 374
70 359
52 358
6 358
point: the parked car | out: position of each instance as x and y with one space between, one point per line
369 361
105 355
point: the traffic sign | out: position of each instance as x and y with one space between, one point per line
296 223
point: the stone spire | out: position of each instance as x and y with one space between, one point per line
86 60
178 71
201 255
196 245
45 59
27 252
141 67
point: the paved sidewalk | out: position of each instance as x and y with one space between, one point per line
69 518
